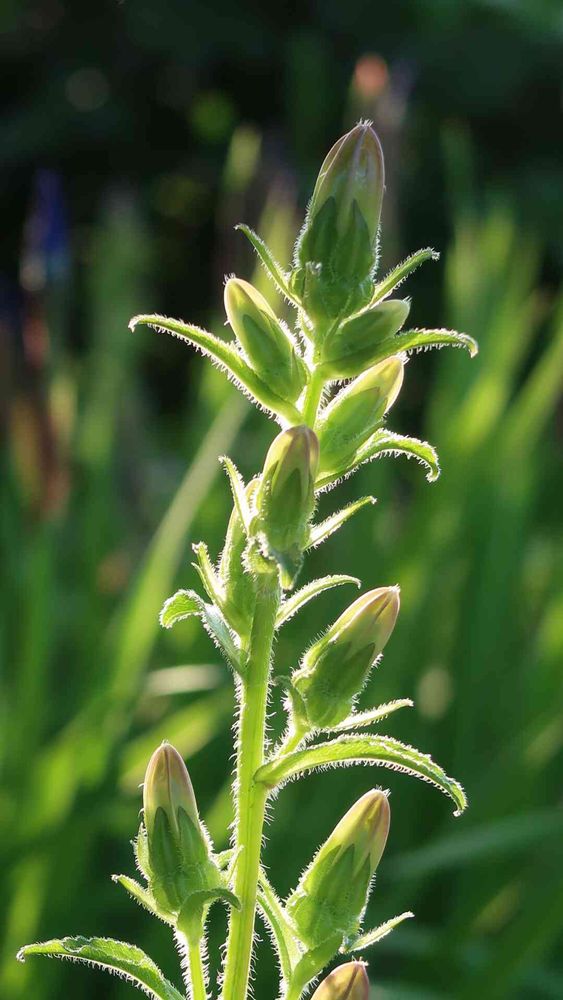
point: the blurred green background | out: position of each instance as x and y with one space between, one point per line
134 136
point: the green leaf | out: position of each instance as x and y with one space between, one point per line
117 957
301 597
424 340
184 603
375 935
140 894
238 490
207 574
226 356
277 274
383 751
383 443
373 715
402 271
283 935
320 532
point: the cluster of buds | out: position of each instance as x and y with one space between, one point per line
330 899
335 669
177 853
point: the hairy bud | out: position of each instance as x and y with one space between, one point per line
285 497
351 347
332 894
348 982
179 854
356 412
336 667
266 343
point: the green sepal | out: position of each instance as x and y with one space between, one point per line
283 933
376 934
313 962
383 751
118 957
320 532
206 571
398 274
296 601
141 852
227 357
372 716
185 603
380 444
271 266
193 913
141 895
361 341
298 707
410 341
236 579
239 491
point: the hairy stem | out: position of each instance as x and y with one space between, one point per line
197 974
250 797
312 399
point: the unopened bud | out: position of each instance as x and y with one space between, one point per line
179 853
285 497
353 346
266 343
335 669
332 894
348 982
356 412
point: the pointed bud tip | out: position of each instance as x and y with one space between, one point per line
167 786
348 982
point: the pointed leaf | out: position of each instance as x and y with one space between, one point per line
375 935
402 271
373 715
301 597
320 532
226 356
117 957
184 603
238 490
269 262
383 443
140 894
207 574
283 935
424 340
383 751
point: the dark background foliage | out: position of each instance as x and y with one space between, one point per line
134 136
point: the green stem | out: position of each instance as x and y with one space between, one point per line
250 798
312 399
197 974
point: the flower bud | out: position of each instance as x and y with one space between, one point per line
267 345
285 497
352 346
336 667
356 412
348 982
332 893
346 204
179 853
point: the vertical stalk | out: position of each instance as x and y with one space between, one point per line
197 975
312 398
250 798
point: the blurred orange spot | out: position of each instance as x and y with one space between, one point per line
370 76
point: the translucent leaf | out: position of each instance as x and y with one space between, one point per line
117 957
373 715
400 272
271 265
383 751
184 603
424 340
283 935
226 356
139 893
301 597
375 935
383 443
238 490
207 574
320 532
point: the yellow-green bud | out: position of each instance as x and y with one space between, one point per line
336 667
356 412
179 853
348 982
266 343
285 498
332 894
353 346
